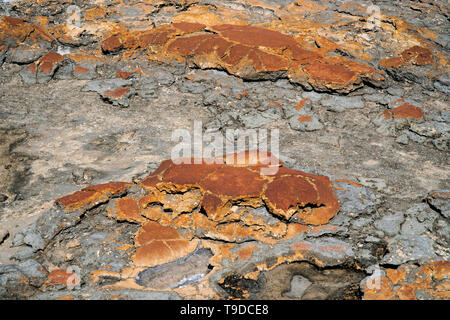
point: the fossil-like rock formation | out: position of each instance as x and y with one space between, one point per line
357 207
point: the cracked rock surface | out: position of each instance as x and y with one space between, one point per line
93 207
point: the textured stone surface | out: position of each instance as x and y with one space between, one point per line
93 92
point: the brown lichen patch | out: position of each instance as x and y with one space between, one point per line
117 93
112 44
94 14
14 30
111 189
410 282
255 36
301 103
49 62
159 244
304 119
310 198
81 200
392 62
407 111
234 182
128 210
349 181
417 55
246 252
79 69
60 277
330 72
156 37
189 27
126 75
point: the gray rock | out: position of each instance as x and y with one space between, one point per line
256 119
65 70
443 84
24 253
395 91
409 248
430 129
361 222
163 77
330 140
419 219
442 143
34 240
28 75
299 285
384 127
32 269
313 125
340 103
4 234
440 201
18 240
312 95
3 53
147 87
390 224
103 87
402 139
24 54
375 183
380 98
415 137
354 200
192 87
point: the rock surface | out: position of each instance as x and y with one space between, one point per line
356 208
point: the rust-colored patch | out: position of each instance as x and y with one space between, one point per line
158 244
48 62
189 27
58 277
128 210
301 246
304 119
112 44
349 181
111 189
81 199
14 30
301 103
392 62
246 252
312 198
117 93
330 72
234 182
417 55
126 75
405 283
407 111
79 69
255 36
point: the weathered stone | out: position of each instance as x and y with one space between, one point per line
390 224
340 104
116 91
409 248
409 282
